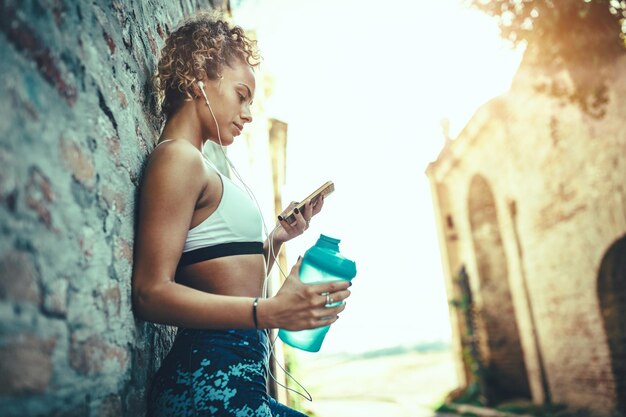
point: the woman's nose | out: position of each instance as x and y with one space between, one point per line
247 114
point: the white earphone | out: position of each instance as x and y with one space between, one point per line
201 85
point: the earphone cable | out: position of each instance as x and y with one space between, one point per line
269 237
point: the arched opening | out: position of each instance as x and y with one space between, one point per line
505 370
612 296
455 269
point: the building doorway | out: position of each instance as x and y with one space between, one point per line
612 297
501 349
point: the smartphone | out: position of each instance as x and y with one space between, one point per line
327 188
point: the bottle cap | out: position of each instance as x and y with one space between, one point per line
325 255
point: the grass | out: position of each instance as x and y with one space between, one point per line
516 407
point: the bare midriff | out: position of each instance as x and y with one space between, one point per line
240 275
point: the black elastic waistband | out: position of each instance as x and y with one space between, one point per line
219 251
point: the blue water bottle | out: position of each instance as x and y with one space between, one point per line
321 263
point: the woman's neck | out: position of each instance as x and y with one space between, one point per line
184 124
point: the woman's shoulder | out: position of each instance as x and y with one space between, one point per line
176 160
176 154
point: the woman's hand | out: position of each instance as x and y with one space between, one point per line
286 231
299 306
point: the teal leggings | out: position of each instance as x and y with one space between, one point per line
215 373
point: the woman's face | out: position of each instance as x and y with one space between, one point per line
230 98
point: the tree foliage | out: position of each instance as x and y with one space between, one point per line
580 38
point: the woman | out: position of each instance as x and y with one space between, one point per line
200 257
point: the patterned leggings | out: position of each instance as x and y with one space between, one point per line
215 373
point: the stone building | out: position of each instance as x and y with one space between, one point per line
531 206
76 124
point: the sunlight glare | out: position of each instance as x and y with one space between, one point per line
364 89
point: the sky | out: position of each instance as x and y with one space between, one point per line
364 87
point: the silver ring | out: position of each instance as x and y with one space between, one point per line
329 300
307 223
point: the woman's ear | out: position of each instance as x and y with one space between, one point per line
206 84
196 87
199 82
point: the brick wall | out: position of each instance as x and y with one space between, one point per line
557 178
75 127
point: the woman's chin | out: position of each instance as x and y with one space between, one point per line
224 141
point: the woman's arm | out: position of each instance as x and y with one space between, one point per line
172 183
270 252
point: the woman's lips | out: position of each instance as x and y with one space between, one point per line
238 129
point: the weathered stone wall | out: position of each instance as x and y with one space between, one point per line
75 127
558 181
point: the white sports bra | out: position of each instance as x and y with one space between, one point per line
234 228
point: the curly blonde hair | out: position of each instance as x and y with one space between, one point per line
199 48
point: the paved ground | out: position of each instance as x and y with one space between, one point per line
406 385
